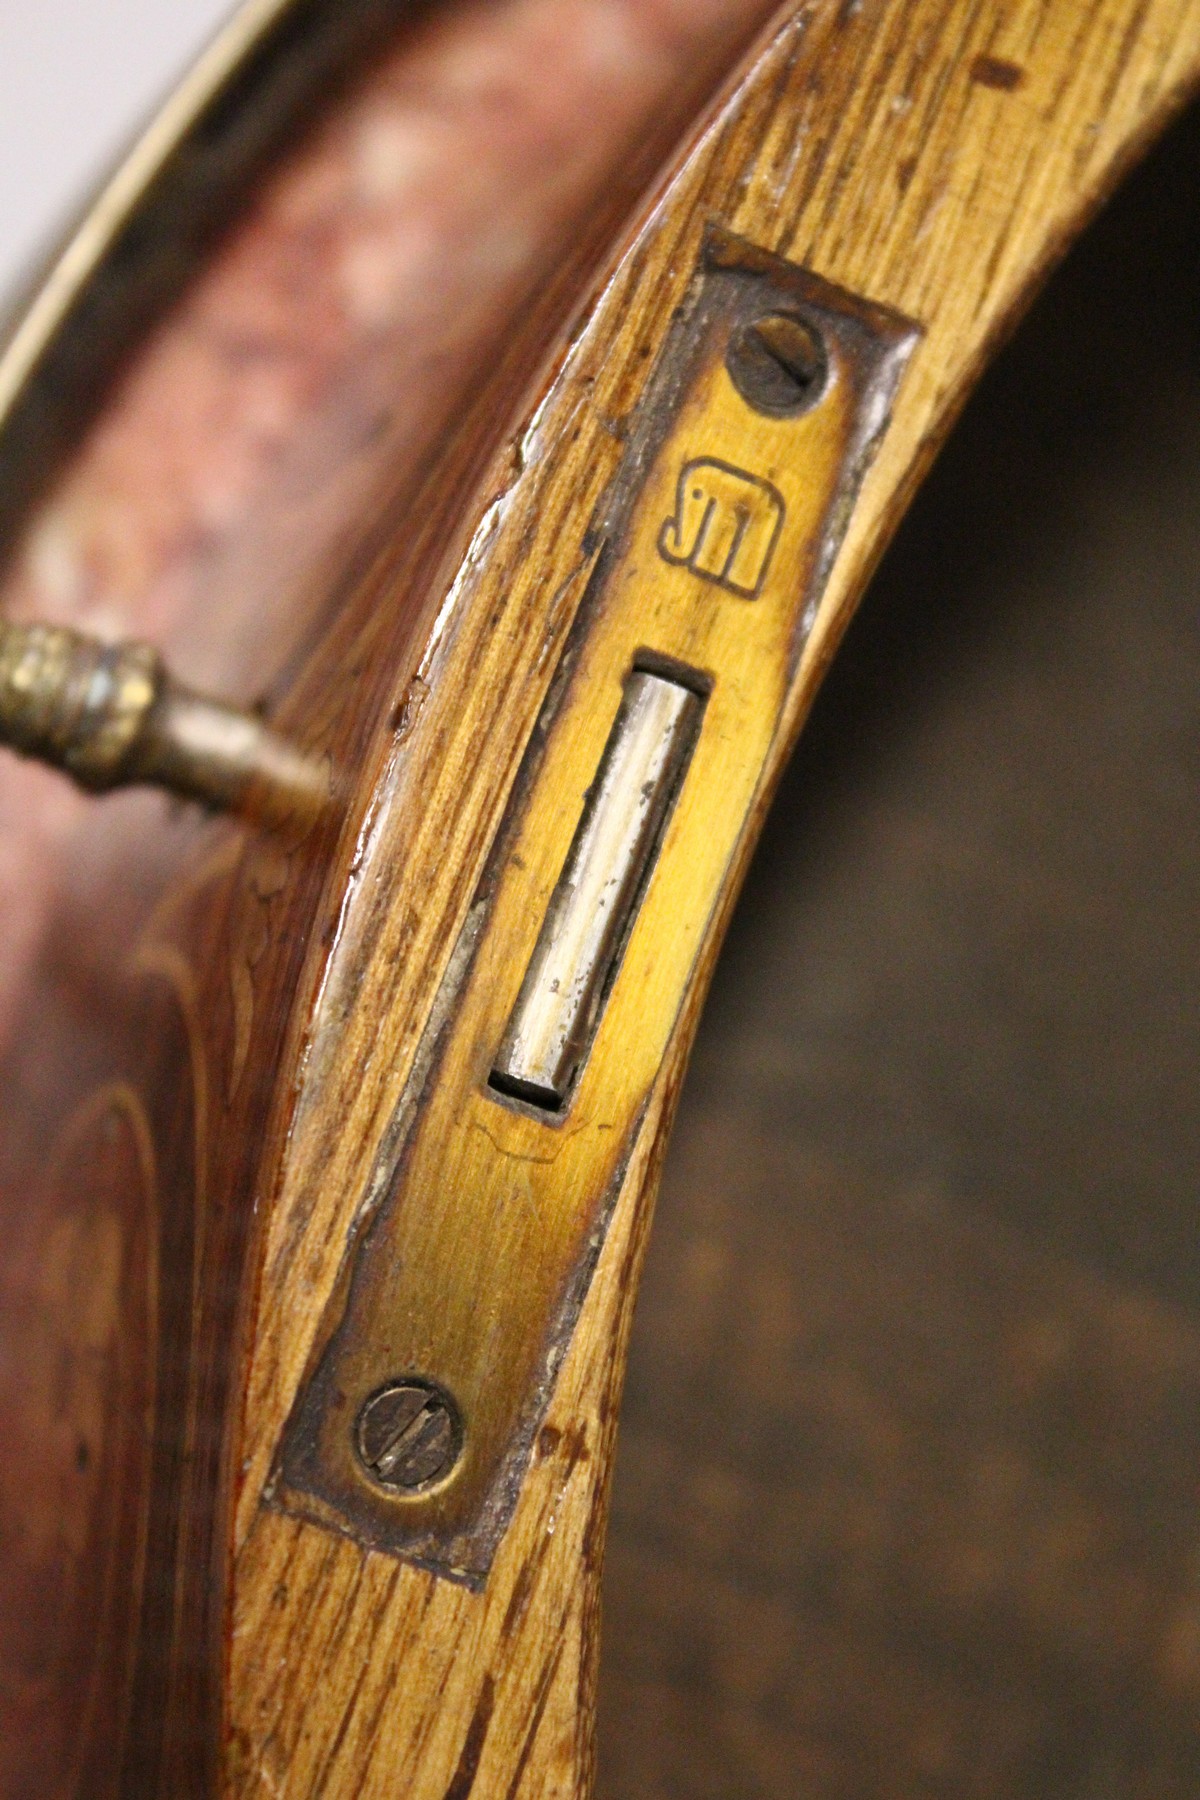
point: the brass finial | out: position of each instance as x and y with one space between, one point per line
111 715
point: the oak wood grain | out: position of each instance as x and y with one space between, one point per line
933 158
244 456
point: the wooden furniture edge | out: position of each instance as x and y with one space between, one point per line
986 135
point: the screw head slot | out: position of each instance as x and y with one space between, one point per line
408 1435
778 365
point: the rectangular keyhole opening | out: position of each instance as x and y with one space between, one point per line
600 890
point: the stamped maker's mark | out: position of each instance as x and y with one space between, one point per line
725 526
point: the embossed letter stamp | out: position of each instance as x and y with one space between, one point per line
725 526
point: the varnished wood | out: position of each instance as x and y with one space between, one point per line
912 174
931 158
147 948
482 1218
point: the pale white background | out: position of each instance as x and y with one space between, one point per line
77 78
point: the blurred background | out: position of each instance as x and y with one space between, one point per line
908 1492
77 77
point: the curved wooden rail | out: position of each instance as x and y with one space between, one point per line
897 156
246 1081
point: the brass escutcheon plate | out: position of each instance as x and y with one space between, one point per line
766 403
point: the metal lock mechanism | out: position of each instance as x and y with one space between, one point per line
465 1279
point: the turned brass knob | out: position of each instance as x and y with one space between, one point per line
111 715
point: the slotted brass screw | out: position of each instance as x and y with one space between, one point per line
408 1435
778 365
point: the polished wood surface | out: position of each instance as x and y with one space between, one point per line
258 444
368 569
974 206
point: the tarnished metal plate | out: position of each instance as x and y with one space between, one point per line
465 1279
